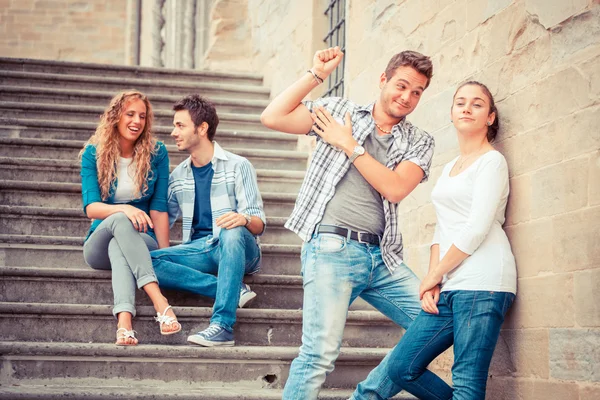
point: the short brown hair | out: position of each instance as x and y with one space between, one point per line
201 110
407 58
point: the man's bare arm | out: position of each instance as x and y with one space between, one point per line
286 113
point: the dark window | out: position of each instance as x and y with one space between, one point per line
336 36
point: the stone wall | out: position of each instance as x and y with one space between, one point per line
541 59
87 31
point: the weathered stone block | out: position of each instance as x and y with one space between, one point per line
581 131
589 392
560 188
480 11
553 12
427 222
530 389
576 244
522 353
522 159
587 311
530 243
576 35
543 301
518 208
594 189
575 354
536 104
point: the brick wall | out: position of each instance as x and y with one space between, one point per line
86 31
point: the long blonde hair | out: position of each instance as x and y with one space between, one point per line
108 148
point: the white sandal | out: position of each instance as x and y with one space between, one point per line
164 319
123 334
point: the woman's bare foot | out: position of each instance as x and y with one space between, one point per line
125 332
164 314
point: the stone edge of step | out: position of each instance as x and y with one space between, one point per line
106 95
86 109
348 355
91 126
77 213
76 188
248 315
133 82
146 391
130 68
75 164
76 243
59 143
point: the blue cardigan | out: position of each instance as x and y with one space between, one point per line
154 199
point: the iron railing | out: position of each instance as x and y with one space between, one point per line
336 36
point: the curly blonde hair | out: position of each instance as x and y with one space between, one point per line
108 148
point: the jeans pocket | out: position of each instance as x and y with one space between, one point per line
329 243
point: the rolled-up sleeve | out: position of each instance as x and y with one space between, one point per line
331 104
90 189
421 153
158 202
248 197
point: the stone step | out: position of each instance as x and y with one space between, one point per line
74 130
81 113
52 170
68 195
69 150
61 284
46 221
93 323
101 98
67 252
149 86
85 364
162 392
126 72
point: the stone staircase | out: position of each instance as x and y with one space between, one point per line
57 329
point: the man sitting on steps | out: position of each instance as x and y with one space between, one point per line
216 193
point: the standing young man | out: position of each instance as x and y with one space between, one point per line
217 195
346 212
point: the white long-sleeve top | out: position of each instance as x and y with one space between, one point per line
470 211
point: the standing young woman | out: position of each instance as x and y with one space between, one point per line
124 176
472 277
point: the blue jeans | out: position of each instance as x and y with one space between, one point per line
192 267
470 320
335 271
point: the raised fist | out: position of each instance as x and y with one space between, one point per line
325 61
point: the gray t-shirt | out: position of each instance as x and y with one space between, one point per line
356 204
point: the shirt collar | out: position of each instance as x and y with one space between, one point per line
396 129
218 154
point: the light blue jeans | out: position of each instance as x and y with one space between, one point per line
192 267
468 319
335 271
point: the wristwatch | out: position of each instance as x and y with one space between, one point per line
248 218
356 152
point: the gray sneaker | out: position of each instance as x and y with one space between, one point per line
246 296
214 335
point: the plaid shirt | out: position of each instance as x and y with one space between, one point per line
233 188
329 165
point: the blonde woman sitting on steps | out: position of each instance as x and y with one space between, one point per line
124 176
